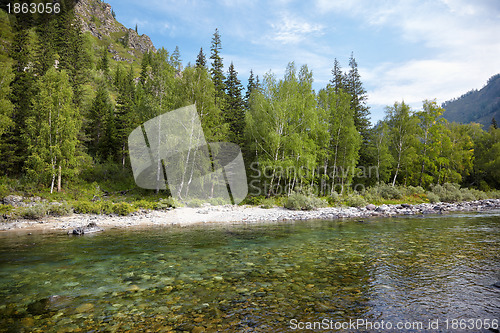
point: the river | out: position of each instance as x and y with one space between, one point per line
419 273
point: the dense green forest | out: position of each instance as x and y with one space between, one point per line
66 111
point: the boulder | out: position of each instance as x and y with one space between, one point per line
371 207
90 228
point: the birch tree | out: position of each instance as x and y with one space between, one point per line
52 130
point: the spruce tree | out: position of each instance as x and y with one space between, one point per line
252 85
99 129
23 88
338 81
354 87
234 111
201 61
217 70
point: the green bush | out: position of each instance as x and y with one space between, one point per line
411 190
493 194
432 197
5 209
194 203
87 207
299 201
355 200
34 212
253 200
106 207
268 203
145 204
58 209
166 203
447 192
334 199
123 208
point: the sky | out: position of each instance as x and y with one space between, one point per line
405 50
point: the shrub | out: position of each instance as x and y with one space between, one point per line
387 191
411 190
298 201
493 194
355 200
59 209
144 204
86 207
166 203
447 192
333 199
432 197
253 200
123 208
268 203
34 212
106 207
194 203
5 209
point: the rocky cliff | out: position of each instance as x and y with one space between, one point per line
97 18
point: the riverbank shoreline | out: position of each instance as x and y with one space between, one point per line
186 216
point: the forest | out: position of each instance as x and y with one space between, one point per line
66 110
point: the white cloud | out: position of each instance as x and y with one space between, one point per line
292 30
460 39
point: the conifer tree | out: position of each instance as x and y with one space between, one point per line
201 61
354 87
23 88
234 112
252 85
100 129
217 70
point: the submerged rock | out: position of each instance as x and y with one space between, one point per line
90 228
49 304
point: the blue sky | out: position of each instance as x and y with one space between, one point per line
406 50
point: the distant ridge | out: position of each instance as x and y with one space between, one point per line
478 106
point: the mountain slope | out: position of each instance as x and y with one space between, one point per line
124 44
478 106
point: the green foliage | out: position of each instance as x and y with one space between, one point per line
123 208
52 130
166 203
432 197
355 200
299 201
194 203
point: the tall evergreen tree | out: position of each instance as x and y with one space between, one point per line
100 129
354 87
338 80
234 112
176 59
201 61
23 88
217 70
252 85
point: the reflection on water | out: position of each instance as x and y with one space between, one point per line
253 278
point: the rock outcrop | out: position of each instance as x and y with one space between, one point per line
97 18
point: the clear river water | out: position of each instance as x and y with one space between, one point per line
413 274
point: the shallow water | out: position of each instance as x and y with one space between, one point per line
257 278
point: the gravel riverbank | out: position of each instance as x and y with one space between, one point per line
185 216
